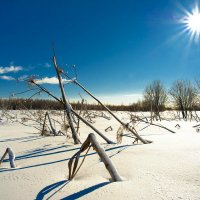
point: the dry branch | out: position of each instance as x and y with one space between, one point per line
111 113
52 128
11 157
139 119
67 106
74 112
91 141
44 125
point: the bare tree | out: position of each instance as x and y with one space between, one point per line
198 84
184 95
155 96
198 92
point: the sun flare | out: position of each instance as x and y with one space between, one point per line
191 22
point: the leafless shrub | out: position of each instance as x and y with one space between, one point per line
184 95
155 96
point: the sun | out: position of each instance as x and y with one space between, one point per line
191 22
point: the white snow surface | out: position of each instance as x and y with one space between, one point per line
167 169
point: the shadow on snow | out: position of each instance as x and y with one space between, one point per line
33 155
50 188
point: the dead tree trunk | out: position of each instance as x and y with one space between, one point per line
182 109
91 141
11 157
80 112
151 113
67 106
44 124
52 128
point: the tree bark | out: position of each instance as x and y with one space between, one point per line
43 127
11 157
91 140
66 105
52 128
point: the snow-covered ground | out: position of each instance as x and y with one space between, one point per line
168 168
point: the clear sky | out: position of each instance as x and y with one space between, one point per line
118 46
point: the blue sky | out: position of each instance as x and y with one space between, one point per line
118 46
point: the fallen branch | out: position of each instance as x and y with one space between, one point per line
196 126
153 124
52 128
91 142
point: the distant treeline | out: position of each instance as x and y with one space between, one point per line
44 104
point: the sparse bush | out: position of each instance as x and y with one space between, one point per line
184 95
155 97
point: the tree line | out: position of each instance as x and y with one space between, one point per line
182 96
46 104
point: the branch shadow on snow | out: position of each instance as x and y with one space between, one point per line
50 188
22 139
32 139
58 161
55 188
42 152
86 191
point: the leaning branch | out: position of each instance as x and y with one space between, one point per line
91 141
154 124
111 113
74 112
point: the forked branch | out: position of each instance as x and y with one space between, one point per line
92 142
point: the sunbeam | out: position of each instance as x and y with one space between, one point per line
191 23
